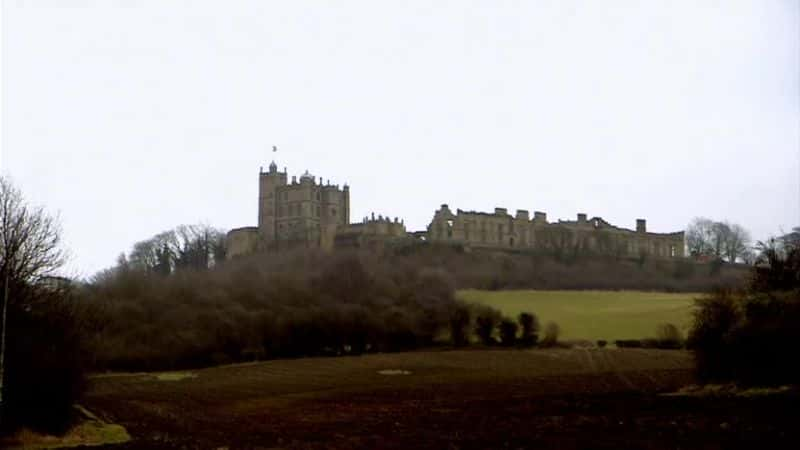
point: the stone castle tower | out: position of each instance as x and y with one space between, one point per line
304 213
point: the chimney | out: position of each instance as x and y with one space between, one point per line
641 226
500 211
581 218
539 217
522 214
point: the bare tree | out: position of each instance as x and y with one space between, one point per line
30 248
30 239
700 237
736 242
719 233
705 237
185 247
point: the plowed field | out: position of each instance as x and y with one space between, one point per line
577 398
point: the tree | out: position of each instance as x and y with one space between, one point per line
30 239
41 371
508 332
736 242
486 320
195 247
700 236
530 329
705 237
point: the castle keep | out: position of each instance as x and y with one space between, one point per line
307 213
310 214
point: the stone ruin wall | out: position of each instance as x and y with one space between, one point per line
503 231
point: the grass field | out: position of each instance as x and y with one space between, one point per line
594 315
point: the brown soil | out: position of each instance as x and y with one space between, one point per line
581 398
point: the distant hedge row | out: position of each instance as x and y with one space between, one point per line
294 304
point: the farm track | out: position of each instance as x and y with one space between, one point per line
600 398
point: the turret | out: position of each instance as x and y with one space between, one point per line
268 185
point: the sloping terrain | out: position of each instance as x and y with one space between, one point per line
593 315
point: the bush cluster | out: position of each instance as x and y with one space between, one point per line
289 305
45 358
297 304
751 335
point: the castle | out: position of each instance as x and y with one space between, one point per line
312 214
307 213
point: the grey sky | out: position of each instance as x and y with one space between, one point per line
129 120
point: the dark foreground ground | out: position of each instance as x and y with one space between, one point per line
579 398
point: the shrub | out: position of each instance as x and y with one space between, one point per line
459 324
486 320
601 343
551 333
508 332
628 343
668 336
529 324
45 361
750 335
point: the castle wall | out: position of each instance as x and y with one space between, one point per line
501 230
241 241
374 234
306 213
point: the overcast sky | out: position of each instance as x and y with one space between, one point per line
130 120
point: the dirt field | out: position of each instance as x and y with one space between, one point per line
594 315
580 398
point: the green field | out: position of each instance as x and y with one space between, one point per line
594 315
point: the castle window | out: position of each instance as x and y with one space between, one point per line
596 223
317 212
671 251
333 212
